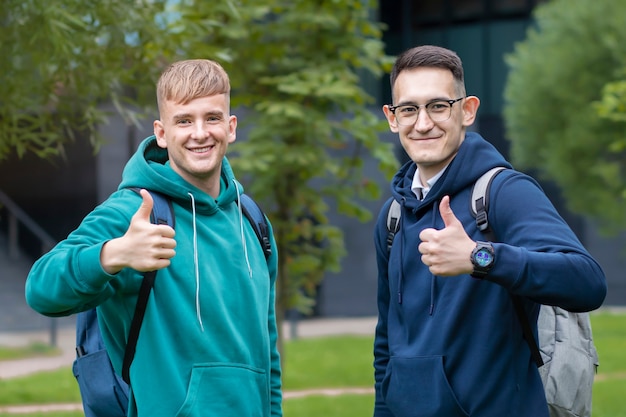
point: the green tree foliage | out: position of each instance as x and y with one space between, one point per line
61 59
300 70
297 68
556 80
613 107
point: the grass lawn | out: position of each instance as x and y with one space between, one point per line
32 350
343 361
609 333
57 386
343 405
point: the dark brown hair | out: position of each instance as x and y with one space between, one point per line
429 56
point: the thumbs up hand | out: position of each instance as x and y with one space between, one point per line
447 251
144 247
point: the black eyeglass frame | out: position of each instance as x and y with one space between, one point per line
393 108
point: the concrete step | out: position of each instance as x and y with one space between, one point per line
15 314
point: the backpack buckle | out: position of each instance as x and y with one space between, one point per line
481 221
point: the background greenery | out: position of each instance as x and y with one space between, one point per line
344 362
299 71
565 104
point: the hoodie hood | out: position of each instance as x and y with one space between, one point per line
149 168
475 157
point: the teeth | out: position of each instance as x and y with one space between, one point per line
200 150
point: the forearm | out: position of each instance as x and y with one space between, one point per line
573 281
66 280
539 256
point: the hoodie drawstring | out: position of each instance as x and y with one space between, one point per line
195 260
195 249
433 279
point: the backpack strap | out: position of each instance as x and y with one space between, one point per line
393 222
479 206
527 331
162 213
480 199
257 219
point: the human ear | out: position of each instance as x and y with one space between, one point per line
470 108
232 129
391 119
159 133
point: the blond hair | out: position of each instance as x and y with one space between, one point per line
187 80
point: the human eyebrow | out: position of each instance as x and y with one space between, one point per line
214 114
208 115
412 103
406 103
181 116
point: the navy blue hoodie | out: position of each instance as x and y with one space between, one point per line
453 346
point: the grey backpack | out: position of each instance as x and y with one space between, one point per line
566 356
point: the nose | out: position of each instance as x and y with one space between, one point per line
200 131
423 123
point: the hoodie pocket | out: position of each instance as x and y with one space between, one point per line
219 389
418 387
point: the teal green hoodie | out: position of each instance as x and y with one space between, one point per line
207 345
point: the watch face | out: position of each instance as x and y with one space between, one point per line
483 257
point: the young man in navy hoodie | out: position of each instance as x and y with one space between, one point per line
448 341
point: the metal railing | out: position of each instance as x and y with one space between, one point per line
15 216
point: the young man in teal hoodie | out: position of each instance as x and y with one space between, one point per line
448 342
207 345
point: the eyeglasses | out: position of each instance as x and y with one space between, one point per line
438 111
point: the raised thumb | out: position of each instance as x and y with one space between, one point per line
145 209
446 212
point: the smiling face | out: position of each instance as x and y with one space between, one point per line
431 145
196 135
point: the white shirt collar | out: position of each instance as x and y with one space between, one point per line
420 190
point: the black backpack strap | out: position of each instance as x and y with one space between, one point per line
257 219
162 213
479 206
526 330
133 334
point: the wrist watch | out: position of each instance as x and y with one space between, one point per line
482 257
